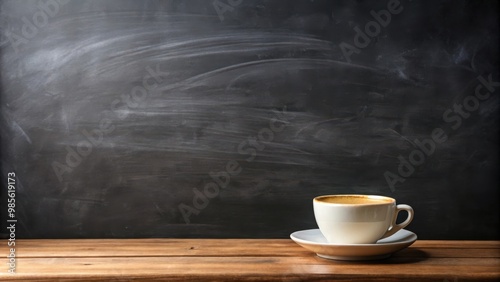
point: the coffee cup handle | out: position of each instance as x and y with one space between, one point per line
396 227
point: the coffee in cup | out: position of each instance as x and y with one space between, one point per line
358 219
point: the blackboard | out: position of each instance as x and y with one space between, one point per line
225 118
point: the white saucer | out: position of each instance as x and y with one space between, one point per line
313 240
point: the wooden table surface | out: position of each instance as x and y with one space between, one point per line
241 259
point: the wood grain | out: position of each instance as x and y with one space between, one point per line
242 259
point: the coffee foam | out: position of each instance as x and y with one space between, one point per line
354 200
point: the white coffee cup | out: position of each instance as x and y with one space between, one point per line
358 219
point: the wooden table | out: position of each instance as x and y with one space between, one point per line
241 259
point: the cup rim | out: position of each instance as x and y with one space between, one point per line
376 197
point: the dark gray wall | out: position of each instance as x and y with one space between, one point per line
117 116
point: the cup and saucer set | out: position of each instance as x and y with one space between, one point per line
356 227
